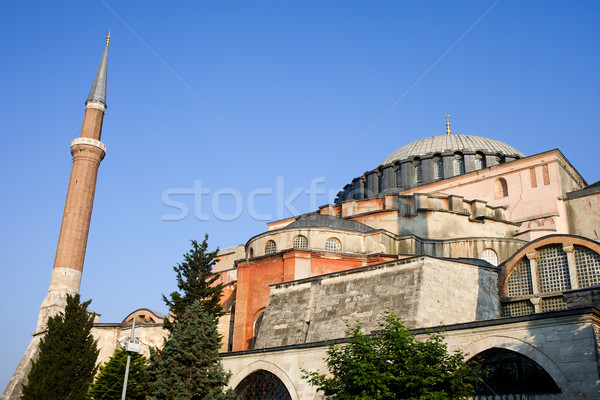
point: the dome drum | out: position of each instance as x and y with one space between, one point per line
429 160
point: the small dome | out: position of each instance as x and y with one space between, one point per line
452 143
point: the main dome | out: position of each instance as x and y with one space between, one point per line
451 143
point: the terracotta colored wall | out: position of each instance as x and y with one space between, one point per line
255 276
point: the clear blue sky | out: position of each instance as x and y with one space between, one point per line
298 82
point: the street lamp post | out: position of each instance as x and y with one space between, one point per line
131 345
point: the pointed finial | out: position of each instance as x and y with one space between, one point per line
108 38
447 124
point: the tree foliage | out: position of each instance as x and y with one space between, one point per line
67 359
197 282
393 364
189 366
108 384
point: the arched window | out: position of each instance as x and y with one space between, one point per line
500 159
552 277
458 164
300 242
438 168
333 245
251 253
399 177
257 324
418 171
490 256
231 327
479 161
270 248
500 188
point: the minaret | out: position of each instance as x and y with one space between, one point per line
88 151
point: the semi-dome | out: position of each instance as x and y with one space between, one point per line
452 143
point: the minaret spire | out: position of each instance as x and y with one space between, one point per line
98 91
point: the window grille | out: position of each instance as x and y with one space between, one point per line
438 169
519 282
479 161
458 165
407 209
587 264
516 308
398 177
553 304
270 248
333 245
300 243
553 269
490 256
419 172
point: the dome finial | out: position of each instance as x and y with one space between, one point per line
447 124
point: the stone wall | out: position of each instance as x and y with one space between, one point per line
562 343
423 291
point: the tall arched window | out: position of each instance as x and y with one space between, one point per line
399 177
500 188
300 242
458 164
270 248
231 327
418 171
438 168
479 161
257 324
333 245
251 253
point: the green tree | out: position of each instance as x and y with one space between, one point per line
108 384
189 366
67 359
393 364
197 282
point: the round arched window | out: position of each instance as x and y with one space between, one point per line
333 245
270 248
490 256
300 242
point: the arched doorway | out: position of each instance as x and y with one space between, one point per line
505 371
262 385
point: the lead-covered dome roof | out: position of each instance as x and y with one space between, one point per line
452 143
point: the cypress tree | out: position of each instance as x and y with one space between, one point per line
197 282
108 384
189 366
67 359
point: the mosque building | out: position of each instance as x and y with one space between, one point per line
457 232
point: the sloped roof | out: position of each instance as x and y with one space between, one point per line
329 221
